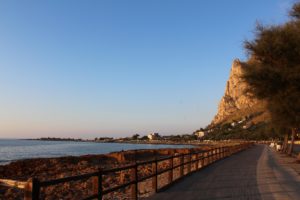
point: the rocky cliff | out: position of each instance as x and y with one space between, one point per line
236 102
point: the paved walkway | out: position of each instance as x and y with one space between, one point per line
251 174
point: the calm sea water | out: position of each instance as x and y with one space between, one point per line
11 150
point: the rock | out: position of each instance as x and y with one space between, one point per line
236 98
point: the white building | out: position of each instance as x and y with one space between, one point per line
153 136
200 134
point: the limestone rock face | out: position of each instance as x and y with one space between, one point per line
235 98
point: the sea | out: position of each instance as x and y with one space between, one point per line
13 149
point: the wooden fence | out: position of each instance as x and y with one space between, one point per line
194 162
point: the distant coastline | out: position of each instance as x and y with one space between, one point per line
129 141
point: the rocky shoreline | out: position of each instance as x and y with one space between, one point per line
53 168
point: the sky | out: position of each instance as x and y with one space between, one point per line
86 69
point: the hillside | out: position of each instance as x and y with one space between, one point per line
239 116
236 102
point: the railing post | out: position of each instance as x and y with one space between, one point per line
227 151
32 189
134 186
215 154
189 163
181 165
122 177
171 170
28 190
209 156
202 160
222 150
154 178
97 185
197 161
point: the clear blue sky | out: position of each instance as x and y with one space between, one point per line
93 68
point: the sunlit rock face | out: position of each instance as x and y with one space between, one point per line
236 97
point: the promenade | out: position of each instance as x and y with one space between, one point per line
256 173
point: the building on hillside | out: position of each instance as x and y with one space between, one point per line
248 125
200 134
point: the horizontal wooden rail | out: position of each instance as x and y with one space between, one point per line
33 186
12 183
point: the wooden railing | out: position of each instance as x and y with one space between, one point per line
195 161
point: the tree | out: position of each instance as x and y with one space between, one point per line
273 71
145 138
135 136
